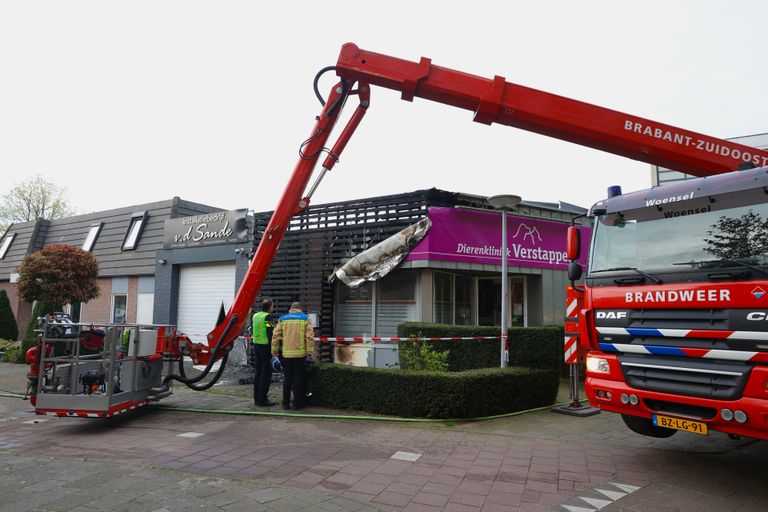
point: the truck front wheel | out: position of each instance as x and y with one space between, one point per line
645 427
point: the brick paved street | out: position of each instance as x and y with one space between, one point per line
535 462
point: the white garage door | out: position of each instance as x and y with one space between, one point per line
202 289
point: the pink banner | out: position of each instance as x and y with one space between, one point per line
472 236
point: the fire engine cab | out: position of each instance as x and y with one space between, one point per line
675 306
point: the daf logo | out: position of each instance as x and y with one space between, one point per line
757 316
615 315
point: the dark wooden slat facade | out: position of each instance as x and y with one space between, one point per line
326 236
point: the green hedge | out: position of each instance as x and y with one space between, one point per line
408 329
8 328
425 394
530 347
536 347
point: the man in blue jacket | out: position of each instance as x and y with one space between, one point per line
295 334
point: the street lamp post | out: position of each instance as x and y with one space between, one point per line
505 203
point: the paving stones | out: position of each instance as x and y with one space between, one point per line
537 462
128 487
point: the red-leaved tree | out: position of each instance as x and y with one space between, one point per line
59 274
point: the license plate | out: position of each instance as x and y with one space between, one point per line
696 427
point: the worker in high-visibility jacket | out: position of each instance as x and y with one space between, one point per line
261 328
296 334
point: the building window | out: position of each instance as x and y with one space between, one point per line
395 301
7 241
453 299
462 300
93 234
377 308
119 308
354 313
135 227
443 306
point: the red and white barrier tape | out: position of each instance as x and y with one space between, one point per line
377 339
380 339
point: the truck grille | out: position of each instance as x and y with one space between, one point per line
679 318
691 377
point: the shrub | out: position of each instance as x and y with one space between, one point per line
421 356
529 347
9 330
11 350
462 354
4 344
426 394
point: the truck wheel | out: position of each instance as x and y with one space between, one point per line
645 427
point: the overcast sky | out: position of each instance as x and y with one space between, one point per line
132 102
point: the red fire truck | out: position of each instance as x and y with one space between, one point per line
671 312
675 306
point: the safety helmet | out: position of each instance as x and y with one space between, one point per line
276 364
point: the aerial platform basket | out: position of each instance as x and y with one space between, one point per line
99 370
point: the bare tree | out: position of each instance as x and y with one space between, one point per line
33 199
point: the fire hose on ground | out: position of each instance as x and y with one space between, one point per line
235 412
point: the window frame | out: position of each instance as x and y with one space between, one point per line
452 289
6 244
112 308
94 230
411 278
140 219
450 296
521 280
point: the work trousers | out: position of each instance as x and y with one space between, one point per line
262 362
295 377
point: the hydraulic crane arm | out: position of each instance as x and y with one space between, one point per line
291 202
492 101
497 101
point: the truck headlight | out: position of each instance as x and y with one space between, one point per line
598 365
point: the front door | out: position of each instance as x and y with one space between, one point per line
489 301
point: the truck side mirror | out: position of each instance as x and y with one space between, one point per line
574 271
573 243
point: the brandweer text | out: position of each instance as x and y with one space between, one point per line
679 296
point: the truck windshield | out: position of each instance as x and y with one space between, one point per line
707 232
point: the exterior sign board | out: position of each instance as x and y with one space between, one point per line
206 229
472 236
